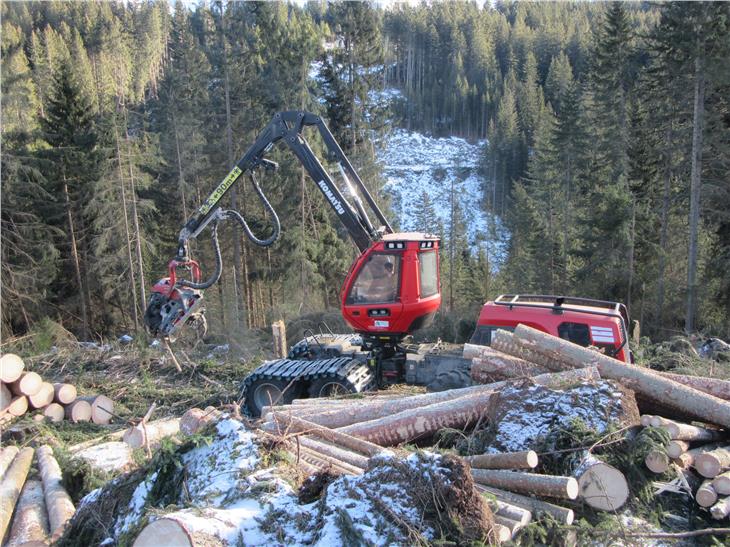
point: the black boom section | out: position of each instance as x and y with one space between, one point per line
288 127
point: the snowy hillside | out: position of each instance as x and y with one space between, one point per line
414 163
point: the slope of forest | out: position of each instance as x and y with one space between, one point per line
608 158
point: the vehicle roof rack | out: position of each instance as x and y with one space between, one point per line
559 304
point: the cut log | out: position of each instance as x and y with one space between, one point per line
373 410
152 432
491 364
512 525
18 406
676 448
5 397
28 384
683 461
457 414
601 486
706 495
711 463
30 525
293 424
7 454
686 432
113 456
711 386
502 533
196 419
11 485
646 420
11 367
529 483
721 483
333 451
507 343
721 509
538 507
506 460
54 412
44 397
65 394
78 411
102 408
686 399
657 461
507 510
311 456
173 532
59 504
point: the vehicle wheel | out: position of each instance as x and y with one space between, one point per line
453 378
269 391
329 387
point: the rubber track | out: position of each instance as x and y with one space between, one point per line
356 372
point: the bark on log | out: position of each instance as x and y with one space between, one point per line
457 413
535 506
686 432
5 397
711 386
507 510
507 343
196 419
721 483
28 384
676 448
54 412
292 424
334 451
721 509
530 483
44 397
278 330
152 432
102 408
601 486
649 383
308 454
18 406
512 525
706 495
491 364
78 411
710 464
657 461
507 460
11 486
59 504
30 525
11 367
7 454
64 394
108 457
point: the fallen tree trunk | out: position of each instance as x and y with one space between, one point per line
102 408
530 483
649 383
333 451
44 397
601 486
30 525
706 495
64 394
457 413
506 460
7 454
507 343
686 432
711 386
490 363
54 412
196 419
11 367
108 457
78 411
711 463
310 455
721 509
562 514
151 433
59 504
28 384
292 424
11 486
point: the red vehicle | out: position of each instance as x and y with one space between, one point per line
583 321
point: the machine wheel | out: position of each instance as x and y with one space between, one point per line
266 391
329 387
453 378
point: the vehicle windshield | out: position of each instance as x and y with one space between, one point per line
377 282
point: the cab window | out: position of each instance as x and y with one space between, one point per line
377 282
428 272
578 333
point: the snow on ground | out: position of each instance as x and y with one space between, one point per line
415 164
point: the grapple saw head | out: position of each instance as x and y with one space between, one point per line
172 305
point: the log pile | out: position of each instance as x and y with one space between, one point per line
23 391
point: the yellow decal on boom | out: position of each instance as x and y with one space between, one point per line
218 192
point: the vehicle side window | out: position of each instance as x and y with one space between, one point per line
377 282
483 334
578 333
428 271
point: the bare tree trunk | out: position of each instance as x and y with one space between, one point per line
630 265
76 261
664 222
698 124
180 178
135 219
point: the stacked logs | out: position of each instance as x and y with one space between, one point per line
38 510
23 391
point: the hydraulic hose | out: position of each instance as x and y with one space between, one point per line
235 215
213 279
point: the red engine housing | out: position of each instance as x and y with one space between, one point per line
394 287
